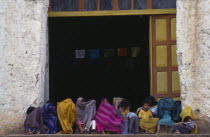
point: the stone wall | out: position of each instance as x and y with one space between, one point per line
22 60
193 50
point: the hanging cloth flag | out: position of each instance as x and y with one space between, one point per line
109 53
122 51
79 54
135 52
94 53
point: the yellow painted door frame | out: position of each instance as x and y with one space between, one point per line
111 13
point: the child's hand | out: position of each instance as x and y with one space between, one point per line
125 119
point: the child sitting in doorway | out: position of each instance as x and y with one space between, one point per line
147 122
166 107
122 111
107 121
133 125
152 105
33 122
188 126
86 111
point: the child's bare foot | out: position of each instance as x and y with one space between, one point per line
82 131
60 132
29 133
176 132
147 132
166 127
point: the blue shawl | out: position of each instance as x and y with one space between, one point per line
49 117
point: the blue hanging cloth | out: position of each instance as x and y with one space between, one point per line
94 53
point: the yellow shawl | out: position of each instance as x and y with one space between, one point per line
187 111
147 122
67 115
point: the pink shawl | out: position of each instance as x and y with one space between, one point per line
107 119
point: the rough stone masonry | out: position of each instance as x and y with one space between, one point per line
193 50
23 58
23 41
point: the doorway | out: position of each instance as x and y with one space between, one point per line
105 76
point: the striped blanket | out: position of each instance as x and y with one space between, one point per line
107 119
49 117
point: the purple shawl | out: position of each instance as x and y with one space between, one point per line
107 119
34 119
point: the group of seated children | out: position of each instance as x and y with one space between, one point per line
108 118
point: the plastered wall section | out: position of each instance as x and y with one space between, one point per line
193 51
23 41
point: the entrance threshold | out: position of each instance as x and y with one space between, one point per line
111 135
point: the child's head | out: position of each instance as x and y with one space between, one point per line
29 110
105 99
187 118
53 102
124 104
151 101
146 105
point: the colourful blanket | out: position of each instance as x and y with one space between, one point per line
49 117
107 119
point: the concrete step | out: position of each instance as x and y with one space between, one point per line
111 135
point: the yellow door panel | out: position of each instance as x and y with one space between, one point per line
173 29
161 56
162 82
175 82
174 56
161 33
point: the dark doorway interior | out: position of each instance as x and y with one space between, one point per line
116 76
